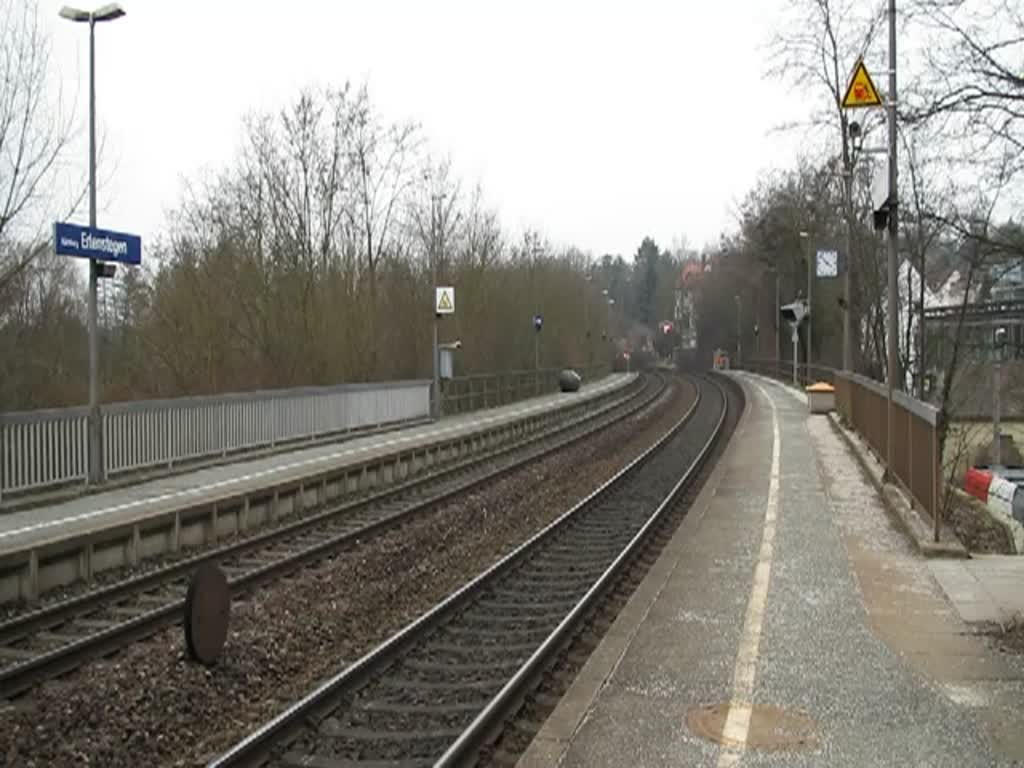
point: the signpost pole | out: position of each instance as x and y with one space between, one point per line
95 445
444 304
436 400
806 235
860 93
796 356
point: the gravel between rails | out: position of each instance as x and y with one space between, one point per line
149 706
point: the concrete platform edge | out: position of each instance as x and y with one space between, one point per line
556 734
895 502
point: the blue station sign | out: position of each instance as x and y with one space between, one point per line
99 244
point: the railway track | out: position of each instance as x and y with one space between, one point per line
53 640
439 691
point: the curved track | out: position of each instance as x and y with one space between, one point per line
439 691
51 641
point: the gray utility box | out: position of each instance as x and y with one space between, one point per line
446 363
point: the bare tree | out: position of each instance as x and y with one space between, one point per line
34 134
971 91
382 158
815 50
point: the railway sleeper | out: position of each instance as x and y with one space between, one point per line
431 710
301 760
462 668
519 607
401 685
513 618
368 736
515 637
16 655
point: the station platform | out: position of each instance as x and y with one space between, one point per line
789 621
231 492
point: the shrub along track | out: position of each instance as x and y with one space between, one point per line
437 692
148 706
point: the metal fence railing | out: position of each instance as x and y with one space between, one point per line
46 448
916 459
39 449
863 404
783 371
470 393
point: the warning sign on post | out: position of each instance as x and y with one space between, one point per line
861 92
444 300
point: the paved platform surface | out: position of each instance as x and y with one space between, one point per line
987 588
80 515
789 622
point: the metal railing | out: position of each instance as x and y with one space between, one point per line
863 404
783 371
49 448
39 449
470 393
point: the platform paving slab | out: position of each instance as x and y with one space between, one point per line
986 588
854 632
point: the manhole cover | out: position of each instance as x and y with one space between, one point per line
207 607
771 728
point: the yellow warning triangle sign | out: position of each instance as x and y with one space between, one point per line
861 92
444 302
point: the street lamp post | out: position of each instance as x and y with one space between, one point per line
739 332
806 236
106 13
777 324
997 386
586 322
536 310
611 342
893 295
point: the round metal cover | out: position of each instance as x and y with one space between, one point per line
771 728
207 609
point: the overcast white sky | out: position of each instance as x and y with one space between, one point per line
597 122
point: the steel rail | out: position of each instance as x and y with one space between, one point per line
476 736
23 676
255 748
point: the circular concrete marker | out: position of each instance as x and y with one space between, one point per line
771 728
207 609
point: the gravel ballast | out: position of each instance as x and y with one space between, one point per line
149 706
